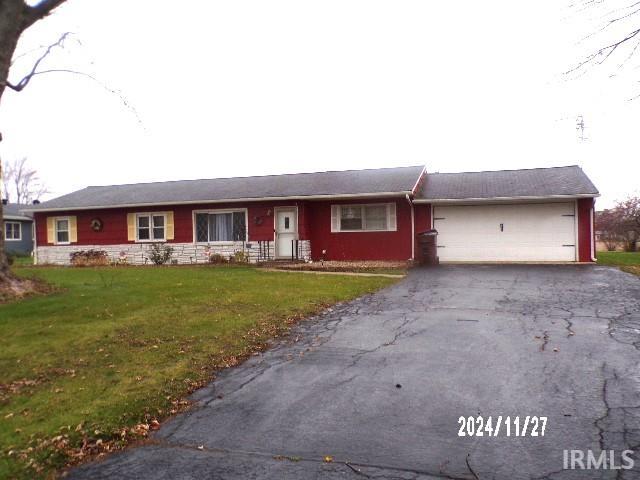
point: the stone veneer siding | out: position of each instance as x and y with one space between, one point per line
136 253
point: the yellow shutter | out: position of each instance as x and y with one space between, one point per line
131 227
170 228
73 229
51 230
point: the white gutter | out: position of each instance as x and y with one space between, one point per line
226 200
17 217
413 229
490 199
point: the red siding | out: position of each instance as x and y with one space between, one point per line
585 230
422 215
262 219
359 245
114 229
260 222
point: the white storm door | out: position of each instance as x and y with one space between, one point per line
286 232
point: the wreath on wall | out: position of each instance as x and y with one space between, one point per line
96 224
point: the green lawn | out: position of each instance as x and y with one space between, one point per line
627 261
619 258
22 261
117 348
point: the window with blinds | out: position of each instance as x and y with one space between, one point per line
221 226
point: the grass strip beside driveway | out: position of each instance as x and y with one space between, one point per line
97 364
627 261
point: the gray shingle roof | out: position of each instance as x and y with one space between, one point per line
13 211
349 182
535 182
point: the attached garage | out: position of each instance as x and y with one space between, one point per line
516 232
535 215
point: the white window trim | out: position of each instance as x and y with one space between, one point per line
19 224
221 210
151 239
362 205
55 230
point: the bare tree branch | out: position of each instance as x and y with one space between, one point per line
123 99
611 21
27 52
39 11
18 87
631 54
602 54
614 21
586 4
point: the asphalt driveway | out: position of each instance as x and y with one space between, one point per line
378 384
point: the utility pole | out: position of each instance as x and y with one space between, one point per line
580 127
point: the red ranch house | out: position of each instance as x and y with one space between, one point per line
541 214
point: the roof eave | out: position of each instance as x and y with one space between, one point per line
506 199
226 200
17 217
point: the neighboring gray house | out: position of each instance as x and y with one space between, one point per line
18 229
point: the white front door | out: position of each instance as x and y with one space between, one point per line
286 232
524 232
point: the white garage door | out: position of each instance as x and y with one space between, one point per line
531 232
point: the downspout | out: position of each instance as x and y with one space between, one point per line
592 226
413 229
34 232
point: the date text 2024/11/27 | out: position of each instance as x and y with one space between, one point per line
516 426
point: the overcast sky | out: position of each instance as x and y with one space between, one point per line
228 88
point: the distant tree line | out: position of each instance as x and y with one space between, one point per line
21 183
620 225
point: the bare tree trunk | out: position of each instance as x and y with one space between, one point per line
12 14
4 264
15 17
